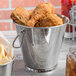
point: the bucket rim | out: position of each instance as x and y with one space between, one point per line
8 62
45 27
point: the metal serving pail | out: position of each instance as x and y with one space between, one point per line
41 45
6 69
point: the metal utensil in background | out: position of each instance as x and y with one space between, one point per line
73 19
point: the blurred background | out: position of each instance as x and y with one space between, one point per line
7 6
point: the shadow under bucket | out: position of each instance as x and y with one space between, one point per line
41 45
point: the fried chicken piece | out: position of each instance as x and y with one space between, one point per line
55 19
41 10
20 15
49 20
44 23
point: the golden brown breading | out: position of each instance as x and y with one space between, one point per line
49 20
20 15
44 23
56 20
41 10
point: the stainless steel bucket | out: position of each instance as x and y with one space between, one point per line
6 69
41 45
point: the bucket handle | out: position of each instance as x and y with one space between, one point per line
13 44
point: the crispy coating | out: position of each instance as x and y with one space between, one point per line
49 20
20 15
40 11
42 16
44 22
56 20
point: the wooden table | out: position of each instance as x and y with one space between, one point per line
19 67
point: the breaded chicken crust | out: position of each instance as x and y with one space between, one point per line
41 10
20 15
49 20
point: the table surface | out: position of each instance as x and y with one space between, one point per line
19 67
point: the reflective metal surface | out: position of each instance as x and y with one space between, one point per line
41 46
6 69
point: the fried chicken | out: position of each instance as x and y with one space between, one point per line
42 16
39 12
20 15
49 20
